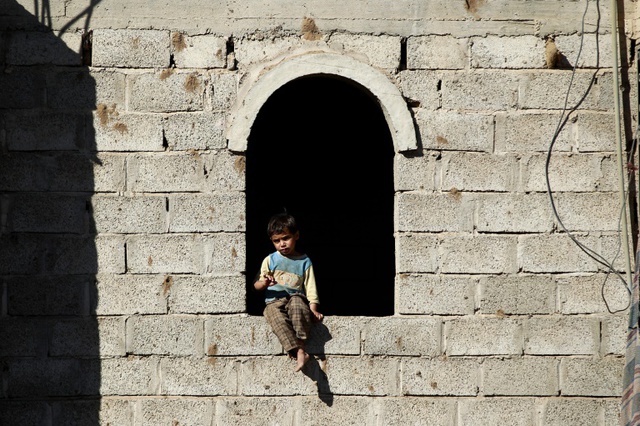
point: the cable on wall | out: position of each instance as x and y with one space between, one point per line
561 122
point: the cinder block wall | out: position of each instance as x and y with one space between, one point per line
122 217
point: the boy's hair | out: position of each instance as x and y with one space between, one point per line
282 222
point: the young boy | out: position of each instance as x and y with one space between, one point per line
289 283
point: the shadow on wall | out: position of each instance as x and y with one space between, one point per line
50 348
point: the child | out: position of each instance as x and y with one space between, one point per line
290 289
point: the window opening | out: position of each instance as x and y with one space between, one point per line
320 147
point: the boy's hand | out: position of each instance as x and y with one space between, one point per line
316 313
270 279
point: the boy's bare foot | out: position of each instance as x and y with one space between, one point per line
301 360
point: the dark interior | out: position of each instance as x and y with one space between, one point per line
321 149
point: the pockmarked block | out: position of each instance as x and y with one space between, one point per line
130 48
428 294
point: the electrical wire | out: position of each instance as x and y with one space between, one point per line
561 123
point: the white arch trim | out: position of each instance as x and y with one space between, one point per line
256 91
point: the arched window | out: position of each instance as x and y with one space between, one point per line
321 148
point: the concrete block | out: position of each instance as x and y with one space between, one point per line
479 90
520 52
61 255
435 294
88 337
614 335
437 52
418 172
77 89
182 411
594 50
224 253
583 294
591 377
167 172
372 376
61 172
194 131
130 376
446 376
250 411
56 131
336 335
110 89
23 88
176 335
518 295
225 172
250 50
171 254
108 173
434 212
403 337
45 213
240 335
128 295
521 213
612 414
20 255
595 132
589 211
220 212
416 253
421 87
417 411
126 215
567 173
524 131
199 376
130 48
47 295
109 256
455 131
479 254
381 51
222 90
572 411
535 376
39 48
108 410
562 335
24 412
49 377
198 51
479 172
555 253
22 337
208 295
339 410
497 411
483 336
166 91
115 131
274 376
539 90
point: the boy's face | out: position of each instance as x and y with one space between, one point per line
285 242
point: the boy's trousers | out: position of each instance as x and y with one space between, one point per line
290 320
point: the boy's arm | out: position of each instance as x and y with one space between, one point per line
264 282
265 277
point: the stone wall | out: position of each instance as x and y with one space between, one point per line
122 214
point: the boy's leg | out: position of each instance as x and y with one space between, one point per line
278 318
301 317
